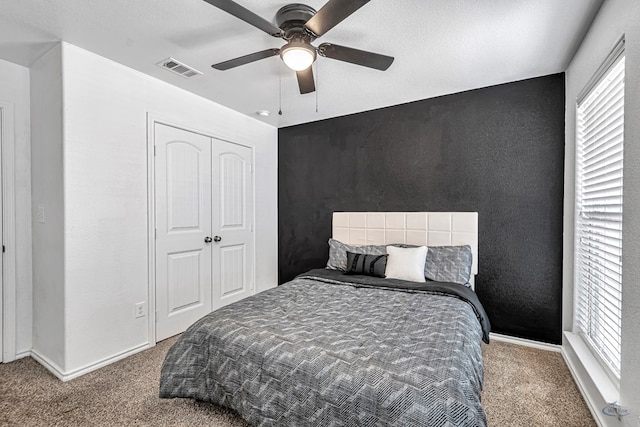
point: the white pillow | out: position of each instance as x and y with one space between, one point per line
406 263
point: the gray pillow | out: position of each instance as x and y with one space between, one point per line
449 264
338 253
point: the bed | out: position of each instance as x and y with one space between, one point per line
330 348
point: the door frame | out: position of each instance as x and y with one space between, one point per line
152 120
8 304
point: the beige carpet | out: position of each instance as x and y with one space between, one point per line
528 387
523 387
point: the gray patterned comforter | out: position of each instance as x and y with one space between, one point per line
318 351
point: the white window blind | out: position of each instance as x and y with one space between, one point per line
598 252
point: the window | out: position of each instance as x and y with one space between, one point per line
598 251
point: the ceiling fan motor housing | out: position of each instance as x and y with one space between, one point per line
291 19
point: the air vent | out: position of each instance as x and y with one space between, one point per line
178 68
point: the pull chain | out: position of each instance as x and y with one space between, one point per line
318 81
280 90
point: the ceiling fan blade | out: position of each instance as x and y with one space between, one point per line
247 16
331 14
305 81
252 57
355 56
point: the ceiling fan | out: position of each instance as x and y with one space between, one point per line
300 25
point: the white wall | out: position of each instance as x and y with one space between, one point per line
616 18
47 192
105 196
14 89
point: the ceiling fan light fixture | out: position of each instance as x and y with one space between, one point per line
298 55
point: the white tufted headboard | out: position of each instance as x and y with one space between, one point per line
414 228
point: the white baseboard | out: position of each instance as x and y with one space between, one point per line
22 354
66 376
525 342
104 362
51 366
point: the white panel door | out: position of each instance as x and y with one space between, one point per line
183 224
233 255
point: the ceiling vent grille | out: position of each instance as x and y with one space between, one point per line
178 68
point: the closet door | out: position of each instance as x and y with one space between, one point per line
233 252
183 229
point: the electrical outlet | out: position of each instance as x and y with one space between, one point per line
141 310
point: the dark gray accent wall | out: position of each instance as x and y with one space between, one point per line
498 151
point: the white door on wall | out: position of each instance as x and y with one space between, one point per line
232 223
204 226
183 224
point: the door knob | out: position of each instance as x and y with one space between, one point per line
217 238
208 239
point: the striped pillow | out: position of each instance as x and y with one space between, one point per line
367 264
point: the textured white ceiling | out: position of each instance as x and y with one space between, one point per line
440 47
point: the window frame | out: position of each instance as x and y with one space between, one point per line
612 60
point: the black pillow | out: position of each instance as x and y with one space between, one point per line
370 265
